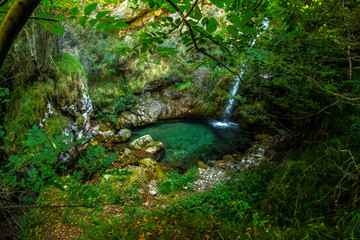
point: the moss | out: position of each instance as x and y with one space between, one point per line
105 92
71 77
55 125
80 121
69 65
27 107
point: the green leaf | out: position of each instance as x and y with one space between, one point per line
74 11
212 25
122 25
100 26
218 3
204 21
93 22
51 160
197 15
90 8
232 30
23 182
102 14
107 28
82 21
109 19
248 30
235 19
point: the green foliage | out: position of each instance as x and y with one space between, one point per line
27 107
96 159
69 65
125 102
55 125
175 181
38 164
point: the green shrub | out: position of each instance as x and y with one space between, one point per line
126 101
39 161
96 159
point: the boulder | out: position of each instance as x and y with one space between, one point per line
147 162
102 136
123 135
146 146
161 84
141 142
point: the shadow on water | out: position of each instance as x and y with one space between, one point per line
188 141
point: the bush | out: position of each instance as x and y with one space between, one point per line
96 159
126 101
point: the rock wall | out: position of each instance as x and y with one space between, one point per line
155 106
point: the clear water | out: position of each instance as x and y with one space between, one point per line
187 142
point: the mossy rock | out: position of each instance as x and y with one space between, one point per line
55 125
27 107
147 162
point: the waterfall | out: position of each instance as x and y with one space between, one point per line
230 103
226 115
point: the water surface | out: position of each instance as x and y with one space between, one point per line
189 141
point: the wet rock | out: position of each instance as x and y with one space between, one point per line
123 135
153 192
201 164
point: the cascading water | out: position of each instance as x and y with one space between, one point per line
230 103
226 116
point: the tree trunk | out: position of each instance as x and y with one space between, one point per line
14 21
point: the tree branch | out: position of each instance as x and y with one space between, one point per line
194 40
317 83
3 3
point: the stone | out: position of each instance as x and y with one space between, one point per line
148 162
201 164
123 135
145 147
153 192
127 152
103 136
141 142
161 84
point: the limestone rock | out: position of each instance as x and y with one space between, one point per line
123 135
146 147
102 136
147 162
161 84
141 142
